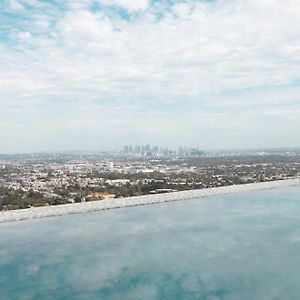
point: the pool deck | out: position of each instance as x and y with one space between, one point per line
65 209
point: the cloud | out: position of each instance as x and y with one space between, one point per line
24 36
15 5
130 5
58 60
183 10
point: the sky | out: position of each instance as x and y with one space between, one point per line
99 74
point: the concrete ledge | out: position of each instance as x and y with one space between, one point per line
58 210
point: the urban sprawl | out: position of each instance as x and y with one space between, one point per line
58 178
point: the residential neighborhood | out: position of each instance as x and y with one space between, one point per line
50 179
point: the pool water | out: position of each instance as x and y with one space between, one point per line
238 246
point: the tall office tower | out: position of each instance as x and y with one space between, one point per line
126 149
137 149
155 149
130 149
147 148
180 151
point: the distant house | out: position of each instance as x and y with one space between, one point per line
100 196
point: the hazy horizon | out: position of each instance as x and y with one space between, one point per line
96 151
99 74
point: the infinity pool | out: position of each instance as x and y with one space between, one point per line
239 246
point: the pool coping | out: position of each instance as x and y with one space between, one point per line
75 208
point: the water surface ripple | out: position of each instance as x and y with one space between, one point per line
236 246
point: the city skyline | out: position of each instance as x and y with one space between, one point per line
98 74
158 149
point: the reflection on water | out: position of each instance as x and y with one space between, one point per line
242 246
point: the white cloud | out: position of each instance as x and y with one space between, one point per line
130 5
24 36
15 5
210 55
202 54
182 10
